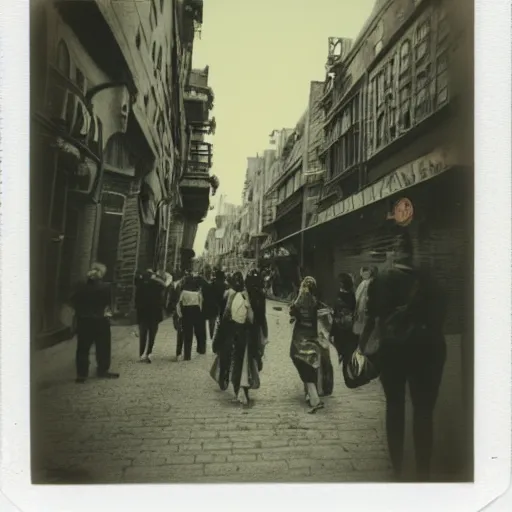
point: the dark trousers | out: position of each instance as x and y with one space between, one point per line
193 323
421 366
93 331
211 324
147 335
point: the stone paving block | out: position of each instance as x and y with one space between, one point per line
246 468
190 447
242 457
217 445
210 457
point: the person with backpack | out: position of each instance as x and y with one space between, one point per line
407 307
237 363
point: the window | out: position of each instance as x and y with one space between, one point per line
442 61
137 39
297 178
344 153
80 80
63 59
159 61
422 94
152 15
405 107
405 57
422 40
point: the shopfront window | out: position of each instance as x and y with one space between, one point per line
63 59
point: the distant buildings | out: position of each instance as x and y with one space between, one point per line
119 163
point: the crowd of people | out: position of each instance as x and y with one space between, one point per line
389 325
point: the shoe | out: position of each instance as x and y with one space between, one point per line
108 375
148 360
143 359
175 359
80 380
316 408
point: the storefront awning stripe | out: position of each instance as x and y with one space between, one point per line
403 178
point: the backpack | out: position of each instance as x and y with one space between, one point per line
239 308
401 325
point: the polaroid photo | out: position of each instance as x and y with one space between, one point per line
259 242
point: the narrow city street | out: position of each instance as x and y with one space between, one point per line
168 422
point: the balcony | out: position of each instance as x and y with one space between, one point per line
196 182
196 108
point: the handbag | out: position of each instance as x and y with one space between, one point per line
359 369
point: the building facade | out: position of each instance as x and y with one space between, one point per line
291 196
111 147
397 155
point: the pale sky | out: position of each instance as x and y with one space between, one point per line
262 56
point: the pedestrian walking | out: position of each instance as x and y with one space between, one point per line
407 307
189 310
210 307
259 328
92 305
309 353
343 317
361 296
238 354
150 292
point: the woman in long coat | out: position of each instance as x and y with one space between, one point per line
237 356
309 351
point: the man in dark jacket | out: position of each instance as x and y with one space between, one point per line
92 303
409 308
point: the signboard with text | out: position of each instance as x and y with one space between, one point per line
411 174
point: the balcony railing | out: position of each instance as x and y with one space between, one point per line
200 158
196 110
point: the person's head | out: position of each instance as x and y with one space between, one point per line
220 276
253 279
367 273
403 250
190 283
307 292
346 282
237 281
96 272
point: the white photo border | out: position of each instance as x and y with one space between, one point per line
492 316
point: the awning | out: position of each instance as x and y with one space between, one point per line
418 171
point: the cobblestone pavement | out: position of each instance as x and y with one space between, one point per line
168 422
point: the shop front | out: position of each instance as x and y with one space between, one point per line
66 172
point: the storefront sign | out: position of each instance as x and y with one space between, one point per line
415 172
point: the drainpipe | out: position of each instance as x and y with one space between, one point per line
166 250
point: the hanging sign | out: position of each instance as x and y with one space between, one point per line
403 212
